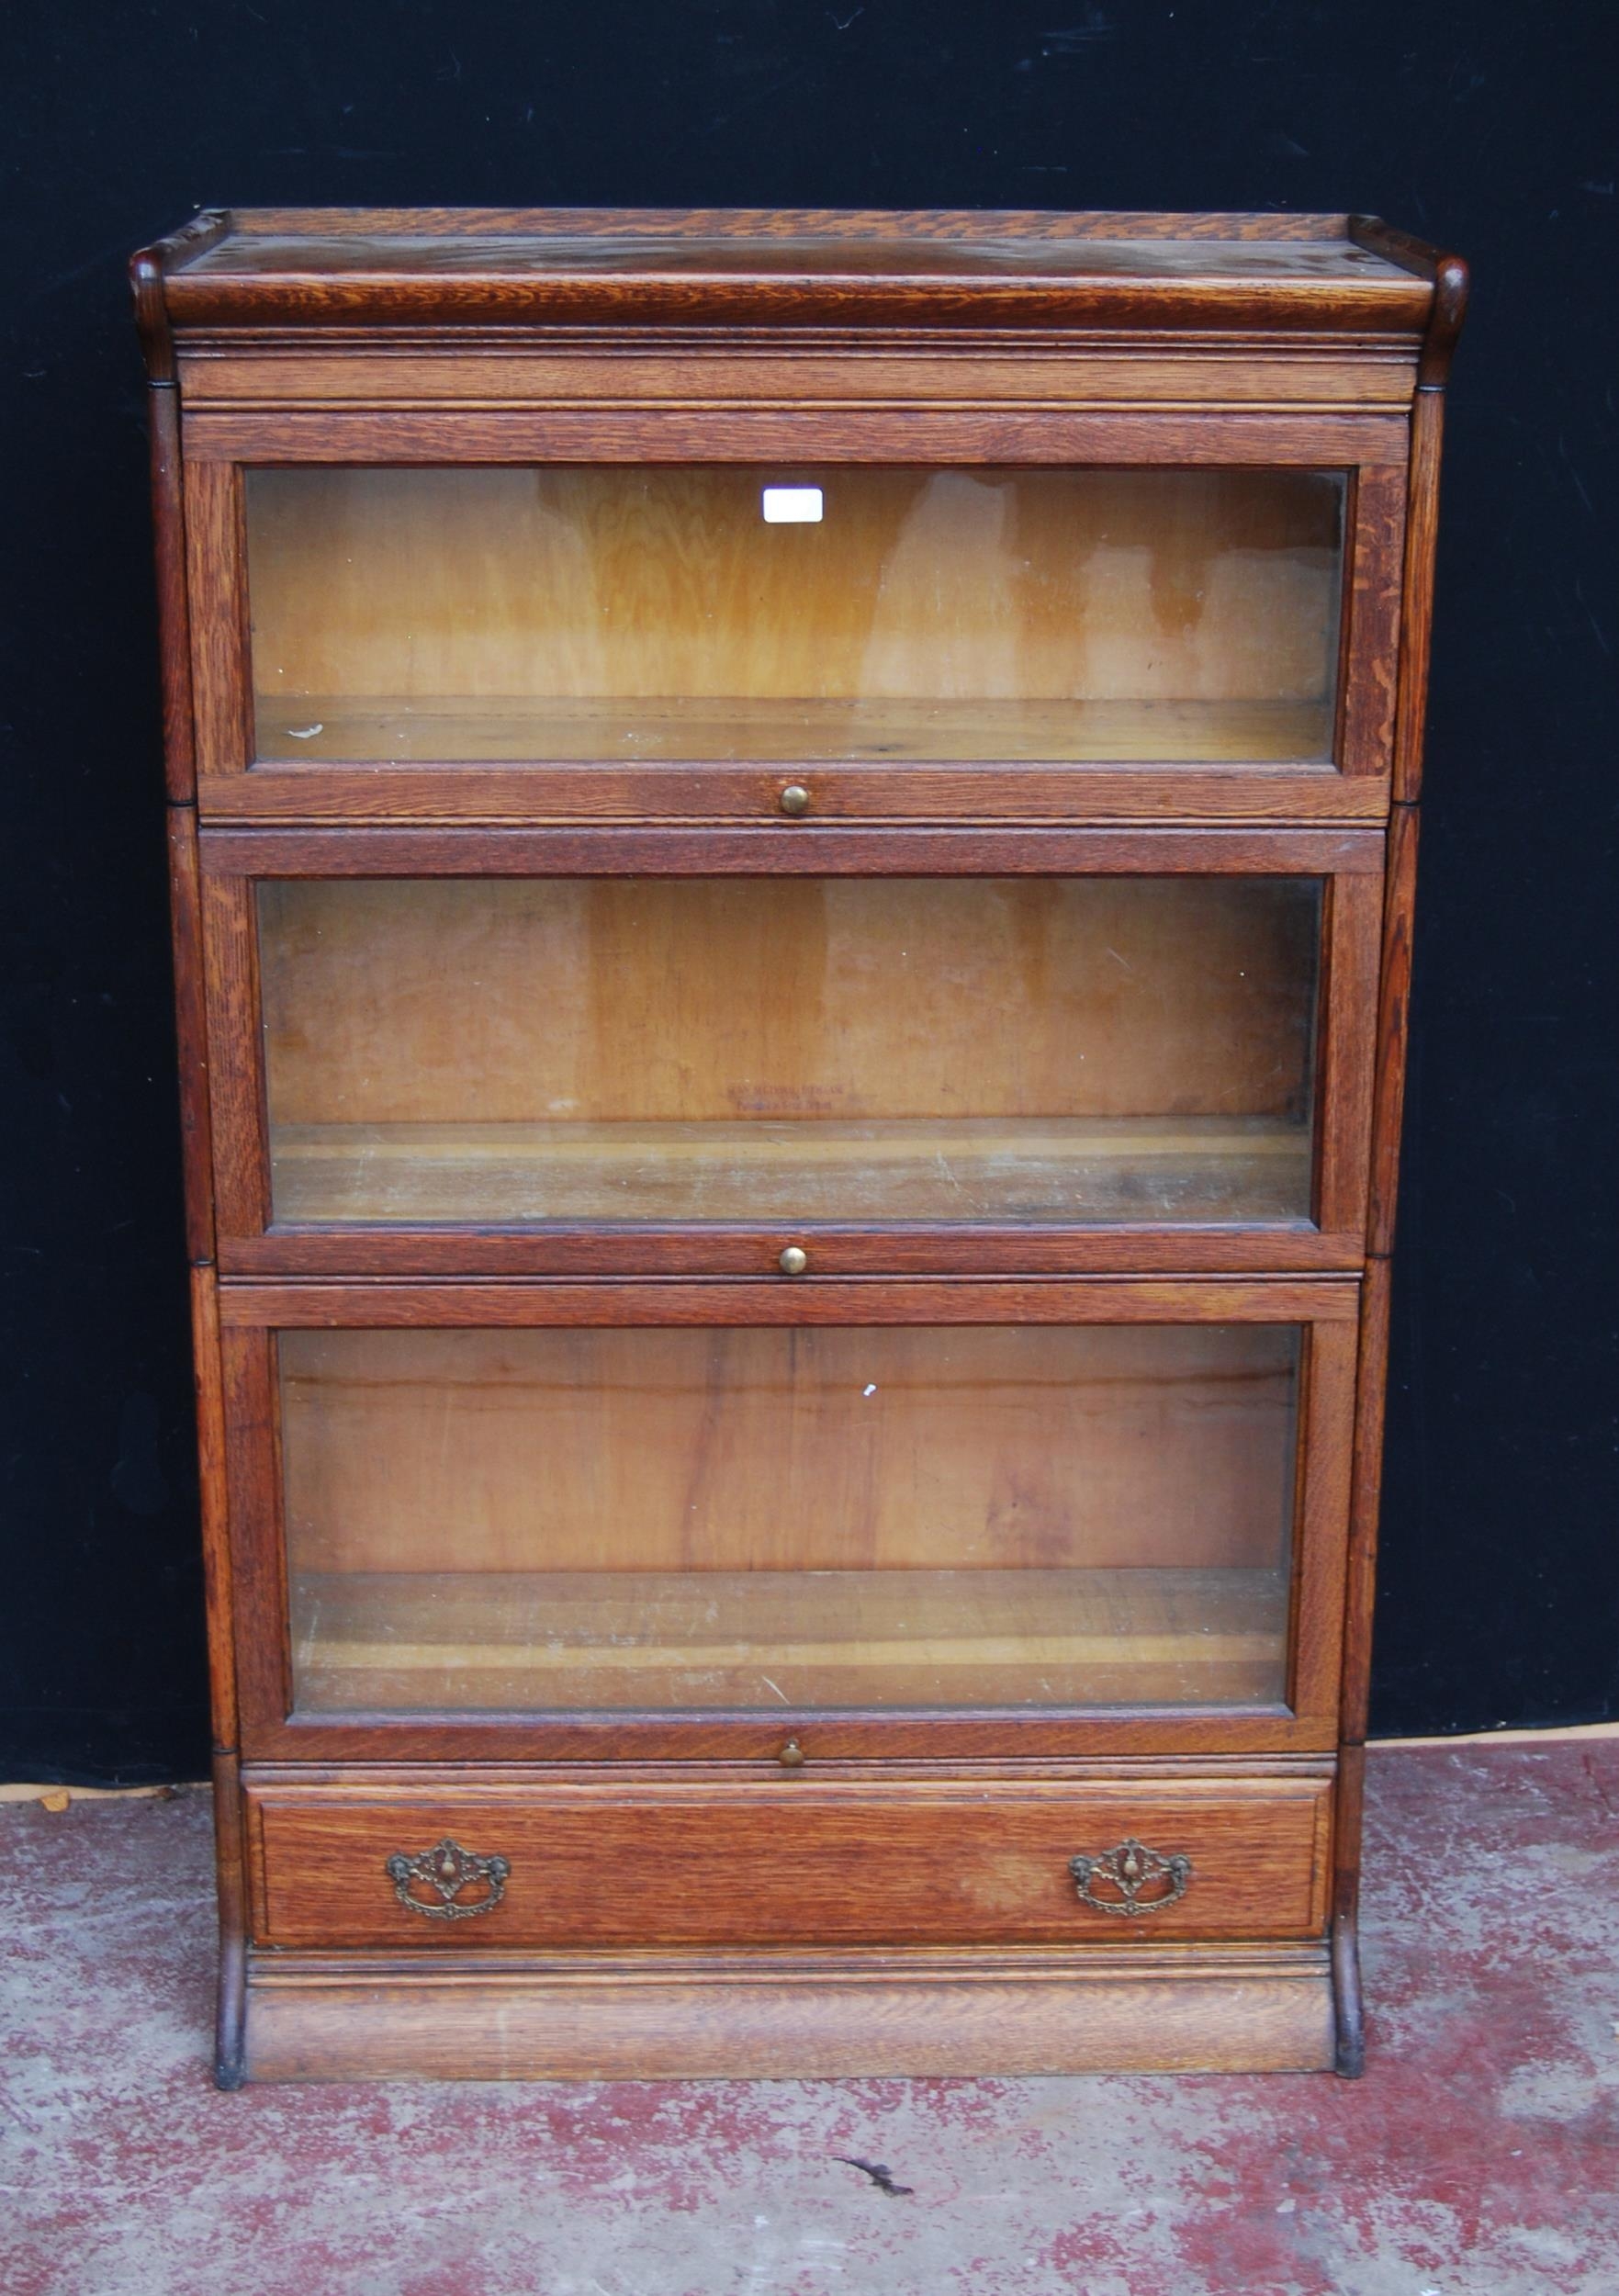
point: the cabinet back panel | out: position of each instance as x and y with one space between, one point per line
965 1447
678 1000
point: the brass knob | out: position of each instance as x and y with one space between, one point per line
794 800
792 1755
794 1260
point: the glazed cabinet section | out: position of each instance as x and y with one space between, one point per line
789 1523
885 632
649 1053
801 614
807 1519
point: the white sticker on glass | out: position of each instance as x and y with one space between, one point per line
793 506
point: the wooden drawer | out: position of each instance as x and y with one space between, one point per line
800 1862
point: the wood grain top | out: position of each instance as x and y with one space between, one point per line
827 268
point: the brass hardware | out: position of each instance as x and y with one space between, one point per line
792 1755
794 1260
794 800
1124 1873
447 1869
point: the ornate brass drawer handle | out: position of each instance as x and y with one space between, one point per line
446 1870
1124 1874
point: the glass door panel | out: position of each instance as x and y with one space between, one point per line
841 612
733 1519
512 1051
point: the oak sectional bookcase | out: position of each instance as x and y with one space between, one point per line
792 853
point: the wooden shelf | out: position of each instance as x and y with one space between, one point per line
515 729
434 1641
1080 1170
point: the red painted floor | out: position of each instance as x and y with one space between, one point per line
1479 2156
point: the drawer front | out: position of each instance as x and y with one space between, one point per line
798 1864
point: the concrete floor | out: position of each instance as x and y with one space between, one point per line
1479 2156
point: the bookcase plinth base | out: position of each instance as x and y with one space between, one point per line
1136 2009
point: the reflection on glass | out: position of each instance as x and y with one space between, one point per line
655 613
546 1520
960 1050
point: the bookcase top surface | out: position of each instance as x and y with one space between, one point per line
833 268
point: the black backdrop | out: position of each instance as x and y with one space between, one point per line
1481 125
